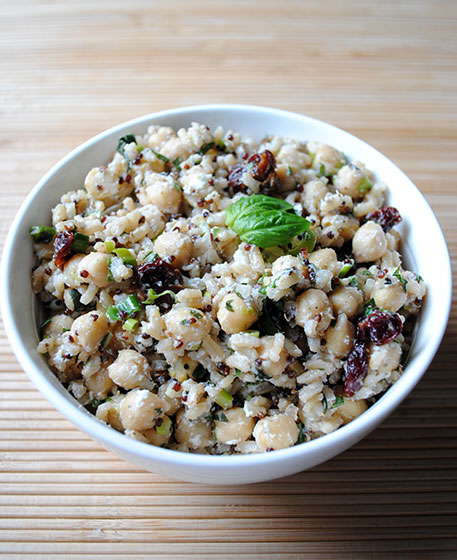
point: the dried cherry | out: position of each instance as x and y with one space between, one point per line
356 368
379 327
159 275
386 217
62 247
262 167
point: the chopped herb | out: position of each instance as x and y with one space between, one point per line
64 330
289 170
76 299
160 156
123 142
224 399
370 306
338 401
177 163
126 256
158 410
150 257
353 282
206 147
195 314
42 234
194 347
321 170
301 435
44 324
253 333
419 278
221 417
177 187
105 341
229 305
96 403
366 273
80 243
109 276
237 373
221 146
364 186
324 403
346 268
402 280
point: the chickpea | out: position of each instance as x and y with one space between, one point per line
174 402
89 329
130 370
369 243
272 365
238 428
346 226
350 409
164 195
348 179
330 157
235 314
340 337
385 358
313 193
275 432
314 312
325 258
104 184
71 275
190 297
187 325
99 384
347 300
176 244
109 413
57 325
94 268
391 297
140 409
196 434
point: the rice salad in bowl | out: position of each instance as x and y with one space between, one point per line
216 295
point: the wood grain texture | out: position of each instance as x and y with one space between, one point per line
385 71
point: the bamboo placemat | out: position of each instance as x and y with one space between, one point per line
384 71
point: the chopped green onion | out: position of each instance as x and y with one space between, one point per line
224 399
153 295
229 305
76 299
364 186
354 282
206 147
80 243
221 417
160 156
131 324
150 257
165 427
42 234
126 256
44 324
366 273
346 268
253 333
127 307
177 163
402 280
110 245
338 401
289 170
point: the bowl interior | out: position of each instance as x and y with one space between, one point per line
424 249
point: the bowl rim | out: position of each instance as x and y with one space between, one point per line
88 423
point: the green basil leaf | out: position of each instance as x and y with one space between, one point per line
254 203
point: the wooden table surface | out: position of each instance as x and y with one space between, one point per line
385 71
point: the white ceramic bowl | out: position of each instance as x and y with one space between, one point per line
424 249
